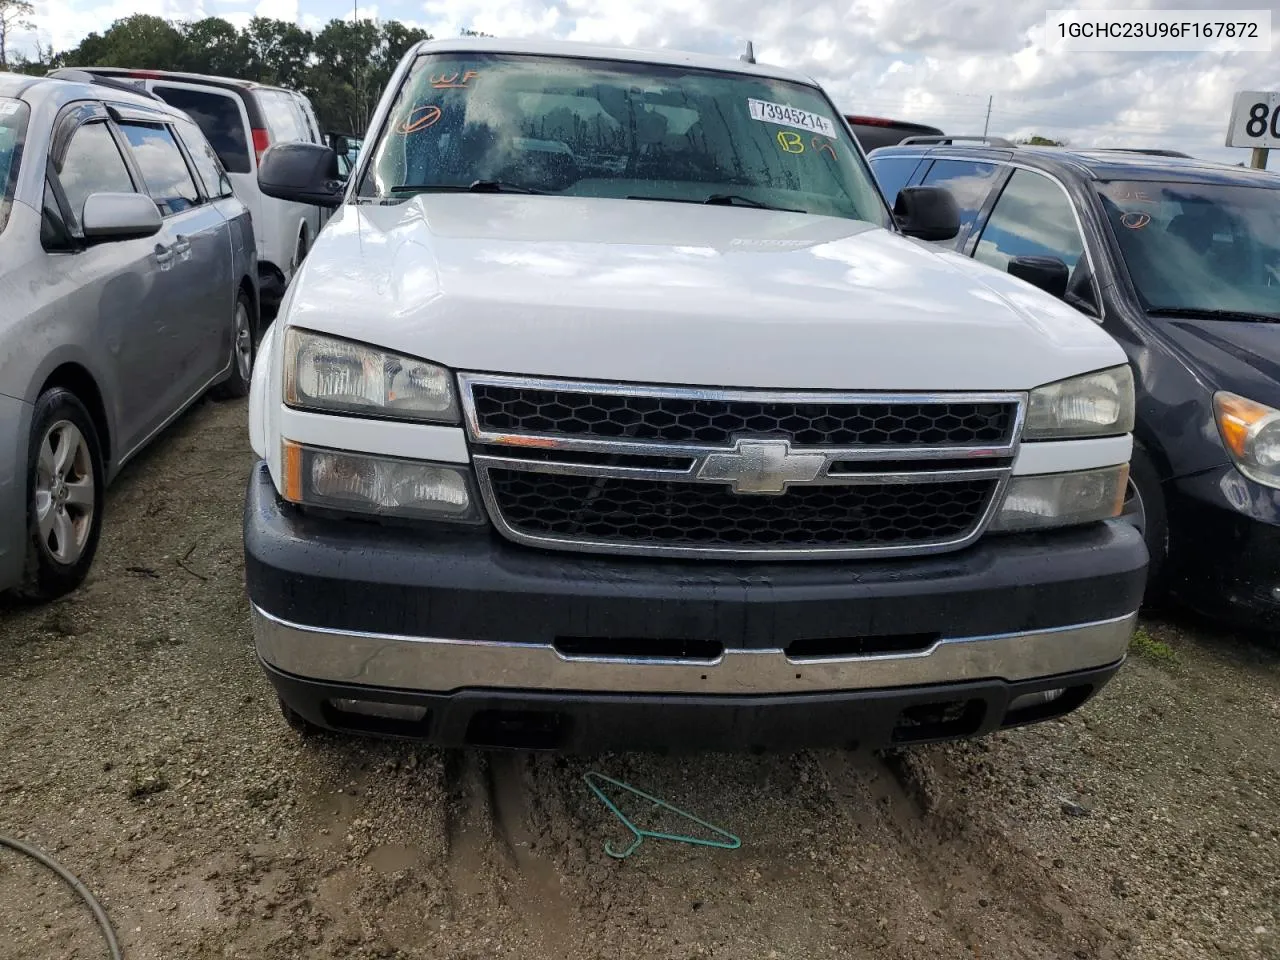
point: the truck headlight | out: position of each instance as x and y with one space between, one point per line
332 375
1095 405
382 486
1062 499
1251 433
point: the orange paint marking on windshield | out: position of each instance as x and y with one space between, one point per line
430 113
443 82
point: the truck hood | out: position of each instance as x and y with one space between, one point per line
657 292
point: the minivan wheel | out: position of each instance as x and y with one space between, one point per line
243 349
65 481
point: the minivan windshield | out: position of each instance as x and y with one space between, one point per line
13 129
1199 248
604 128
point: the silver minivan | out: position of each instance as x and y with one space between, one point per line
128 287
242 119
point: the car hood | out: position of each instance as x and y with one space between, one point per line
1238 355
657 292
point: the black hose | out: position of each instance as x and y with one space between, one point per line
98 913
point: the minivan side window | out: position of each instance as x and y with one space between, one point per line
1032 218
969 181
92 164
163 167
206 162
219 119
893 173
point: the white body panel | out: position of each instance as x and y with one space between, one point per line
673 293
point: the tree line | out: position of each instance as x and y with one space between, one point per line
343 67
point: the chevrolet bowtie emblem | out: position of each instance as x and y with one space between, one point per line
762 466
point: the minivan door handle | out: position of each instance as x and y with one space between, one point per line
164 255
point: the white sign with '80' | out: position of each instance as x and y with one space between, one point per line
1255 120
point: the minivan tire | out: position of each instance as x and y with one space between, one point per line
1145 506
65 487
244 349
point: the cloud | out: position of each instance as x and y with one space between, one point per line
934 61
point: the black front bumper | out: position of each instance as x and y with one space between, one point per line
384 600
1224 550
576 722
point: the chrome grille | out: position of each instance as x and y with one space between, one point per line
659 470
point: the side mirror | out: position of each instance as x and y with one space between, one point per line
301 172
1048 273
339 144
927 213
119 216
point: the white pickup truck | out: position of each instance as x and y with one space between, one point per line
614 408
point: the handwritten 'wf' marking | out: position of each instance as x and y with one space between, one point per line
442 82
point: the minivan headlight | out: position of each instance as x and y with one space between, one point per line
1251 433
1094 405
331 375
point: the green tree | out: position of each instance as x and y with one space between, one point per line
137 41
1039 141
214 46
279 52
14 15
354 62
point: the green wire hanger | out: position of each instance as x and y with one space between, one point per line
730 842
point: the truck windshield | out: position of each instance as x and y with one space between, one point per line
603 128
13 129
1199 248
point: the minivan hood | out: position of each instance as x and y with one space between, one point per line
658 292
1241 356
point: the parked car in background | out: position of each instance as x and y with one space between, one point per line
347 148
873 132
128 274
1179 260
614 408
242 119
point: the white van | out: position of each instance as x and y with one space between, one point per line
242 119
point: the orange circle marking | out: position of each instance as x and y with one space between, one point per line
429 115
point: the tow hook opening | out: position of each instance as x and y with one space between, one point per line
518 730
1044 704
939 720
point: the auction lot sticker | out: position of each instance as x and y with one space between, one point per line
790 117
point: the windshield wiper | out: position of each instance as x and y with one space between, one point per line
476 186
1175 312
725 199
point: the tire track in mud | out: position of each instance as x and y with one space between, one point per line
990 897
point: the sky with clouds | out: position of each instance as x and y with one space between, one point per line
933 61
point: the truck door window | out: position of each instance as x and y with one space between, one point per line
163 167
92 164
893 173
1032 217
969 181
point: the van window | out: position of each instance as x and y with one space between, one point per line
218 116
163 167
969 181
206 162
284 118
893 173
92 164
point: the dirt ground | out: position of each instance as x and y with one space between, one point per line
141 746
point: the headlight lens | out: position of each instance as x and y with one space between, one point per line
1095 405
382 486
1251 433
1062 499
328 374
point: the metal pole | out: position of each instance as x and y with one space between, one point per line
1258 159
987 123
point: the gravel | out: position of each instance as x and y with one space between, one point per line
141 746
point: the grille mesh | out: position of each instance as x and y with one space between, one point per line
514 409
654 512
